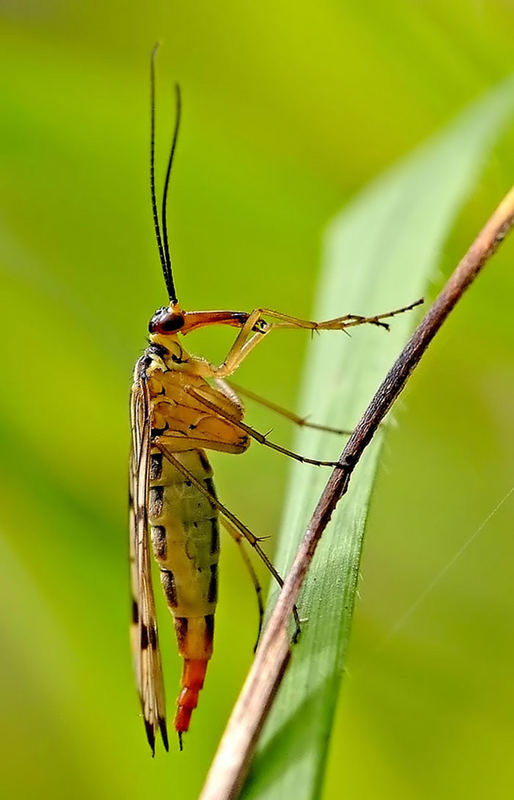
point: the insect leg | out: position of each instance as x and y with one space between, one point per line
238 538
259 437
338 323
249 536
255 328
242 346
284 412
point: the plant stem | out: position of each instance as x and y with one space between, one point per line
237 745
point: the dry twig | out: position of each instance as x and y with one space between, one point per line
238 742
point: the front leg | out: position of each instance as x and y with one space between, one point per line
254 328
252 332
337 324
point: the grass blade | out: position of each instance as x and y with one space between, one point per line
379 254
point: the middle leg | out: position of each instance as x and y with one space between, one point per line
259 437
302 422
238 538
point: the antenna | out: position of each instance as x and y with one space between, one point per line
162 239
178 106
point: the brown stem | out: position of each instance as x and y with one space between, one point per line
236 748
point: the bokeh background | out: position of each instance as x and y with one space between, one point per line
289 109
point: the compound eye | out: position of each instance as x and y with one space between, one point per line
166 321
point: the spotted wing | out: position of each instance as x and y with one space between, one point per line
144 637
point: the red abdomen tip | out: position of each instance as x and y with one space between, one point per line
193 676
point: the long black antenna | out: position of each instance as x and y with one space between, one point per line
178 101
163 253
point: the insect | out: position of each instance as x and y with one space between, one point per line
182 405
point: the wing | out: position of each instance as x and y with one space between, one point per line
144 637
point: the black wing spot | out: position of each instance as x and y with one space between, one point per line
150 735
144 636
164 732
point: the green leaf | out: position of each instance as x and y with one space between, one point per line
379 254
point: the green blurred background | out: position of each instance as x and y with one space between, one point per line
288 110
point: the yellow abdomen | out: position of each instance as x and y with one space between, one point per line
185 541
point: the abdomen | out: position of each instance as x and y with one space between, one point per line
185 541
